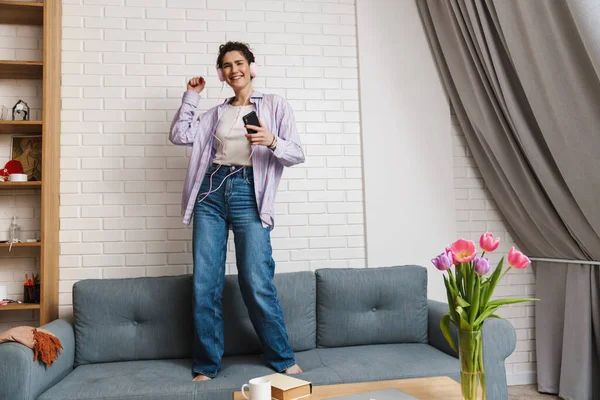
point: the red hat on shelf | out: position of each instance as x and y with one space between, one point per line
12 167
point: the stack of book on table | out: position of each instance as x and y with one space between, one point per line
285 387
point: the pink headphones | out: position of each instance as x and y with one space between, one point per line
253 72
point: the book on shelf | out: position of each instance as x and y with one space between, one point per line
285 387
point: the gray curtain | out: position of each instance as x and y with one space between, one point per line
523 79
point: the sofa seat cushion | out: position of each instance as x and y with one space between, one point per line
172 379
389 361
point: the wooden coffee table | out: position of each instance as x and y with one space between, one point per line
436 388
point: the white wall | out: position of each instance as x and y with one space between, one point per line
409 202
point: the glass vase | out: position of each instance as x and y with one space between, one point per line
472 374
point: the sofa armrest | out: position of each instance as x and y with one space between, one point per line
21 378
436 311
499 341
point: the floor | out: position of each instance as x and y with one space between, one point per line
528 392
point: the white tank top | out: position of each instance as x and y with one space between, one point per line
233 149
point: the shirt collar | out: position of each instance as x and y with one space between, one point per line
255 95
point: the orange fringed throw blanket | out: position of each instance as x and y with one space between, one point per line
46 347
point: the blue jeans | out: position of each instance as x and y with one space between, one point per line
234 206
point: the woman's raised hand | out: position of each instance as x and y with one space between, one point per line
196 84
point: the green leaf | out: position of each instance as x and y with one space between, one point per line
459 279
474 310
467 274
445 327
501 302
464 318
451 302
496 275
483 296
462 302
488 312
493 281
472 278
453 282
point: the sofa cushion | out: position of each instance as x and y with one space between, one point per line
370 306
389 361
132 319
172 379
151 318
297 295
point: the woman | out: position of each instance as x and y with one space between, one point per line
252 165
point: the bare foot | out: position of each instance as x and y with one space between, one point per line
294 369
201 377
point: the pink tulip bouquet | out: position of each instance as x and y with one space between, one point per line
469 292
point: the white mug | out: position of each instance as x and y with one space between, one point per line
3 292
260 389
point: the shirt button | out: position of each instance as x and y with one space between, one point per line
373 309
135 323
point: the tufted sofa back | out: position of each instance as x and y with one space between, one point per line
371 306
151 318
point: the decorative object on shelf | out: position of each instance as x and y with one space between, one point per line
14 233
46 347
28 151
17 178
3 113
20 111
469 300
31 289
11 167
3 293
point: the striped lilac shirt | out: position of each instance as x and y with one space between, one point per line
276 115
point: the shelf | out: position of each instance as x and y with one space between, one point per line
47 15
21 12
21 185
20 69
20 127
31 244
15 306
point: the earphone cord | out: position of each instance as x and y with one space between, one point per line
223 147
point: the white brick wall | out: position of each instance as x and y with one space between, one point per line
476 213
125 67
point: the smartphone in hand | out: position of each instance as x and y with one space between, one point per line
251 119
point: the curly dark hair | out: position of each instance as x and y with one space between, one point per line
234 46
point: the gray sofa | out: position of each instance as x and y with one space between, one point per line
132 338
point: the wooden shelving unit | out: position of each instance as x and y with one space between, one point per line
16 307
20 185
48 16
21 12
21 69
12 127
31 244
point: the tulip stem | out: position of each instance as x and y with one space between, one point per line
505 272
